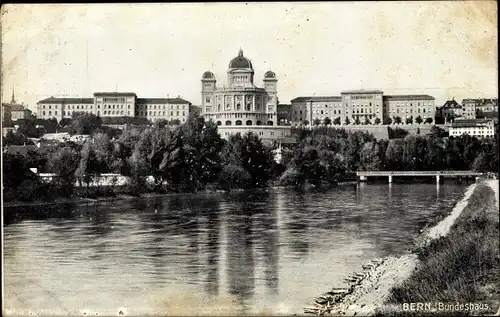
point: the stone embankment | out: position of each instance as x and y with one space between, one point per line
369 290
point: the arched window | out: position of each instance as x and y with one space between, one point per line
238 122
247 107
228 122
249 122
219 123
104 111
218 108
270 123
238 107
258 122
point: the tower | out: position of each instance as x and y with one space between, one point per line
13 101
208 86
270 85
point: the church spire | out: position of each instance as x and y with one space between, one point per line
13 101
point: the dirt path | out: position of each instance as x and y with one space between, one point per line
373 286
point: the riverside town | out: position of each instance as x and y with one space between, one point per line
243 174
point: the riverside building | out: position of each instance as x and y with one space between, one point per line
239 106
481 128
363 106
115 104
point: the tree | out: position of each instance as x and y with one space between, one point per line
305 122
428 120
17 138
234 176
397 120
377 121
175 122
337 121
357 121
387 121
88 165
409 120
316 122
369 157
419 119
397 133
249 152
64 162
347 121
394 156
327 121
367 121
85 123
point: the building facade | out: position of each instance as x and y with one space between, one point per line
116 104
481 128
451 110
479 108
360 107
13 111
240 106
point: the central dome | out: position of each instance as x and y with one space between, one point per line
240 61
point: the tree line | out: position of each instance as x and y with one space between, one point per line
193 157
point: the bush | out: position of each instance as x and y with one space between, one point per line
30 190
233 176
291 177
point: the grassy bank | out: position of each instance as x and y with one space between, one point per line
461 267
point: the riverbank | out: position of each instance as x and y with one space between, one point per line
375 291
119 195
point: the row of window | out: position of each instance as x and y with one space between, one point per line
113 106
160 107
114 99
153 113
410 110
248 122
240 115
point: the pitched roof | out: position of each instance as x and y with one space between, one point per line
407 97
317 99
115 94
67 100
451 104
361 91
470 123
162 100
18 108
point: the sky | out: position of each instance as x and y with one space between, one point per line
444 49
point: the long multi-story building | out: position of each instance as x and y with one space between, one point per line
481 128
115 104
361 106
241 106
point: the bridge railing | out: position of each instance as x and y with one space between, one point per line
418 173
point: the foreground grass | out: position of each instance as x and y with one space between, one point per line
461 267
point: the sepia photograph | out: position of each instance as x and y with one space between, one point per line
250 159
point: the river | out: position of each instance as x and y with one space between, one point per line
217 254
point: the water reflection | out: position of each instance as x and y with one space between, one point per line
260 248
240 261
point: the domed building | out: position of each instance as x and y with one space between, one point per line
241 106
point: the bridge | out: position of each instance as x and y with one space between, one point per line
363 175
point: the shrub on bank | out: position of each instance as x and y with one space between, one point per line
233 176
291 177
462 266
